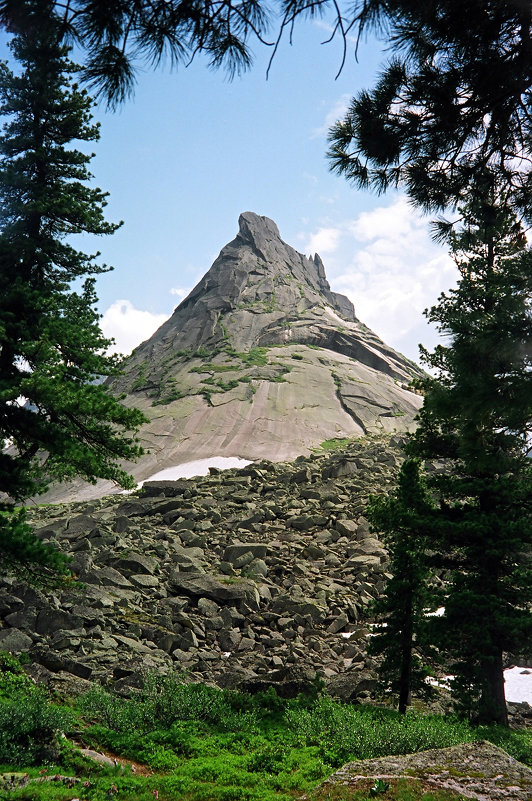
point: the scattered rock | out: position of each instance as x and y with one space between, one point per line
226 599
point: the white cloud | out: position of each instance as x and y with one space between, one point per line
387 264
337 112
129 326
325 240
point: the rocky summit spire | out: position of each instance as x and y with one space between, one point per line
261 292
263 360
254 287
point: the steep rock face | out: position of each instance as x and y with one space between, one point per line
262 292
261 360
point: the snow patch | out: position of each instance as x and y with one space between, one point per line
200 467
518 684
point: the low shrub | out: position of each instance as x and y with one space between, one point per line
165 700
343 732
29 728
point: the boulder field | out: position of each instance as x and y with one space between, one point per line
241 578
245 578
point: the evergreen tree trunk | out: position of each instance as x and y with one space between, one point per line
492 704
405 675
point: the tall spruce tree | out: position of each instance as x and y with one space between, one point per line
55 416
477 413
404 519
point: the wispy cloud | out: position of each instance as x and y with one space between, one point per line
335 113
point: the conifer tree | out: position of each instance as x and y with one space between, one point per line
404 519
57 418
454 102
477 414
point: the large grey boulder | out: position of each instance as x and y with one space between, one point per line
205 586
15 641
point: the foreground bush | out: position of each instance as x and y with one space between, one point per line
165 700
30 728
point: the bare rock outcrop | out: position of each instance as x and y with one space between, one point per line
477 770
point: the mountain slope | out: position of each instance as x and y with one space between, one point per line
261 360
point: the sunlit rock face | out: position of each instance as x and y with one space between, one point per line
262 360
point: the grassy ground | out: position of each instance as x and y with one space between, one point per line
197 743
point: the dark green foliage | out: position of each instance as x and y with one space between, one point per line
166 700
343 732
25 555
434 122
59 421
115 35
56 416
29 724
30 727
405 519
478 414
12 677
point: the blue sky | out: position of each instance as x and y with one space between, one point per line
192 151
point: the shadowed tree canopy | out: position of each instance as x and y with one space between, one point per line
116 36
446 53
454 103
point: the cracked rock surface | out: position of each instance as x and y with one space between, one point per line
478 770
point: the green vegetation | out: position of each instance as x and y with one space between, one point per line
141 381
210 367
225 386
205 744
476 519
334 444
280 377
173 395
256 357
413 130
58 420
24 555
297 356
402 519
